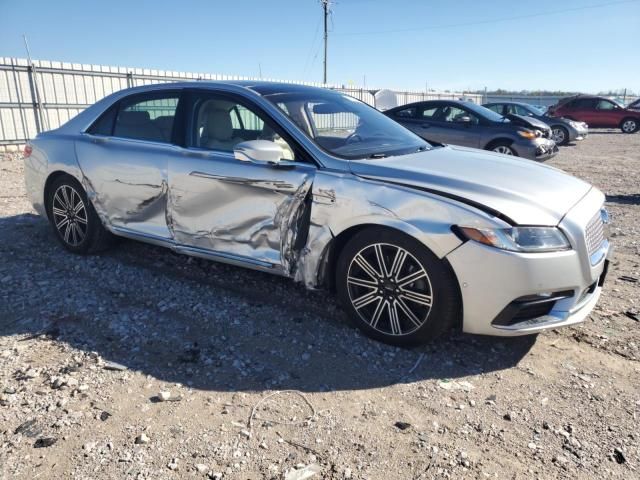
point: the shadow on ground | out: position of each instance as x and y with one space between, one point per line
207 325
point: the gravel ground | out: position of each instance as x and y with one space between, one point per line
140 363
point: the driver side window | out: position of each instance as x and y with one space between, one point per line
605 105
220 124
517 110
457 115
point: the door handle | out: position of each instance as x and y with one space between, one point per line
425 125
99 139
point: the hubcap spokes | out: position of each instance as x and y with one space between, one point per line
629 126
69 215
389 289
502 149
558 135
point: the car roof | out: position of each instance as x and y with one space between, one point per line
259 86
430 102
508 102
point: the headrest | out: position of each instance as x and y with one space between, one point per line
218 124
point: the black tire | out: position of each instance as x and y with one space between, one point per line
630 125
563 132
502 146
75 222
437 287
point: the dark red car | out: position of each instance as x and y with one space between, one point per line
598 112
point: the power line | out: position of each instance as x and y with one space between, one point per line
495 20
311 50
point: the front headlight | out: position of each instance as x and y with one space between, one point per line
527 134
575 124
518 239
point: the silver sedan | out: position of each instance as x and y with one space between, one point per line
314 185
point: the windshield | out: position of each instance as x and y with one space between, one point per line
540 110
344 126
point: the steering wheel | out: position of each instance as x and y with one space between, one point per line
353 138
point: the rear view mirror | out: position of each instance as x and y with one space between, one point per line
258 151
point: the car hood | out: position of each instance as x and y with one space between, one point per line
529 122
527 193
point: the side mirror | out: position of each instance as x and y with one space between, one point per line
258 151
464 119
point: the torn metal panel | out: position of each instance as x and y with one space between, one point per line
237 208
127 194
342 201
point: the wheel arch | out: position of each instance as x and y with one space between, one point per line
495 141
341 240
337 244
630 117
52 177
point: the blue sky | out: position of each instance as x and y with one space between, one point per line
446 44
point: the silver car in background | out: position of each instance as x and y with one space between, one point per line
317 186
564 130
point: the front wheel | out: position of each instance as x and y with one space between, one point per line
394 289
560 135
629 125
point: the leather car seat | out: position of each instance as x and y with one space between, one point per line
218 131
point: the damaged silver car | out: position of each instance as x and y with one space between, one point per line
315 185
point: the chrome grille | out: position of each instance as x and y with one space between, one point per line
594 233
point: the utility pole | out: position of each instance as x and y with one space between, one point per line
325 8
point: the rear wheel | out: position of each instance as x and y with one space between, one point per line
560 135
629 125
73 218
394 289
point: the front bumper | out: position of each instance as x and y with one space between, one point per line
578 134
492 281
540 149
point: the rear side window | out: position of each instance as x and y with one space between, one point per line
147 117
583 103
104 124
496 108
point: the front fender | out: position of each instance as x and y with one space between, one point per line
341 201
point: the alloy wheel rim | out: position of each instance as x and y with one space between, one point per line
503 149
389 289
558 135
69 215
629 126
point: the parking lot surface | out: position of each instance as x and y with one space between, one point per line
141 363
